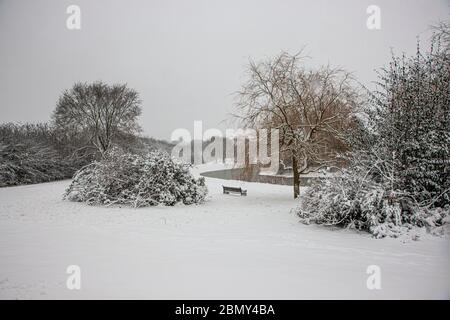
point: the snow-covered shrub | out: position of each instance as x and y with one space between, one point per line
26 163
346 200
136 180
355 200
35 153
411 122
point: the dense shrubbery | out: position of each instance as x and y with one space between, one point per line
398 175
35 153
355 200
25 164
136 180
32 153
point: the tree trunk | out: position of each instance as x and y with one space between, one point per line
296 177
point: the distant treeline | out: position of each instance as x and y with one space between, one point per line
35 153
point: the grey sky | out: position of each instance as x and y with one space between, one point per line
186 58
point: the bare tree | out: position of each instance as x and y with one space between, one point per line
441 36
103 112
311 109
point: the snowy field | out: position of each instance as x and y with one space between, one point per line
231 247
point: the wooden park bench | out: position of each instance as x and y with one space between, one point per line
228 190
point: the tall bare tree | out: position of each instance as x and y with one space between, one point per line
103 112
311 109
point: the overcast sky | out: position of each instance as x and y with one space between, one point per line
187 57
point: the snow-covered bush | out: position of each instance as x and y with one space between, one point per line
355 200
411 121
347 200
136 180
26 163
35 153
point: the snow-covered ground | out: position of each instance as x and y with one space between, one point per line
230 247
